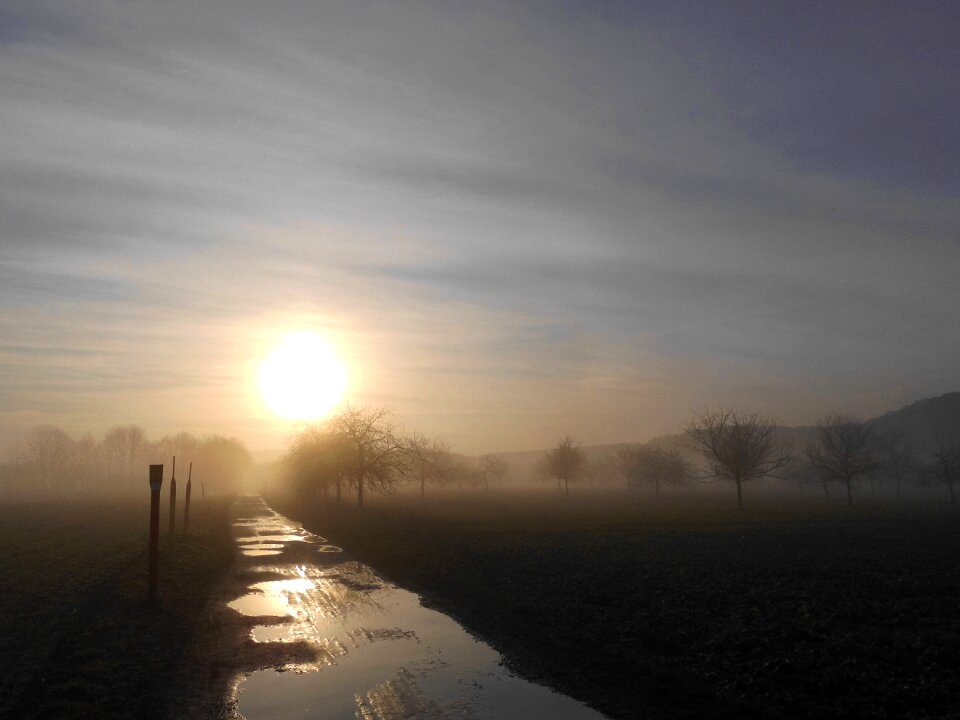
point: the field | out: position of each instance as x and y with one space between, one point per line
77 639
784 610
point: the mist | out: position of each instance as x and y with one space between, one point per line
497 360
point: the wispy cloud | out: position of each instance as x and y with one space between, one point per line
517 220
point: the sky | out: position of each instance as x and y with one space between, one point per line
513 220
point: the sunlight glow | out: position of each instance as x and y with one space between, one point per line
303 379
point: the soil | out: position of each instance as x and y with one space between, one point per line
79 639
683 612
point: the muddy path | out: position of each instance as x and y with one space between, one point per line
310 633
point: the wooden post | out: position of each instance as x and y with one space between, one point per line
186 500
156 480
173 495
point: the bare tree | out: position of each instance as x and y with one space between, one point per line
223 463
565 462
318 461
124 446
737 446
376 454
946 464
640 464
844 451
898 458
428 460
493 466
50 451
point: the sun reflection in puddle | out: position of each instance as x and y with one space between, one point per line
262 546
379 654
271 538
258 604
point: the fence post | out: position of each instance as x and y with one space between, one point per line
156 480
186 500
173 495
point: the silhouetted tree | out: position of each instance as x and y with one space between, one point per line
601 469
946 464
376 455
639 464
222 462
428 460
493 466
565 462
49 450
124 447
737 447
317 461
898 460
844 451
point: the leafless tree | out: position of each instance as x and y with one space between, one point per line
376 454
493 466
565 462
639 464
737 446
318 461
946 464
49 450
124 447
844 451
898 459
427 460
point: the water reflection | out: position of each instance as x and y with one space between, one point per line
378 653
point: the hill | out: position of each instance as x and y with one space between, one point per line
922 423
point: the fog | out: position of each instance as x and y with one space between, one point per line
49 463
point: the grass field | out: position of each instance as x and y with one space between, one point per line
680 611
77 639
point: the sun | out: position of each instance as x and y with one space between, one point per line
303 379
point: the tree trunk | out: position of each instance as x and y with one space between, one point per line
656 488
826 490
360 491
566 487
423 490
739 496
339 486
849 494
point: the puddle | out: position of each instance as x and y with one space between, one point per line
270 538
257 604
380 654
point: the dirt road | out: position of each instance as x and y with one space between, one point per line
337 641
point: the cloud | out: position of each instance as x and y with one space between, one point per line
507 214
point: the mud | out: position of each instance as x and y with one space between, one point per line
307 628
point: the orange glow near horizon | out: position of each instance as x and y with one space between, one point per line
303 378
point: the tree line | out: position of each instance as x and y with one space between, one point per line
741 447
48 461
361 450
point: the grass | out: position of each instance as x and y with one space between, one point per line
77 638
784 610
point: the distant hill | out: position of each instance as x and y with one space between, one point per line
921 423
924 422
